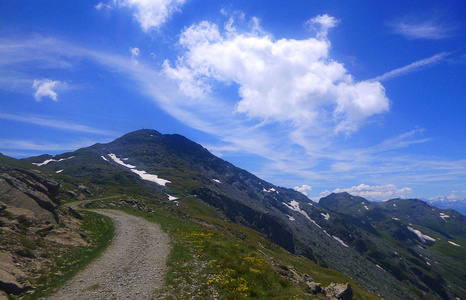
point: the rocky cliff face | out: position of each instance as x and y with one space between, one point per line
31 222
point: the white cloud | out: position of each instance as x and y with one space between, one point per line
278 80
288 152
376 192
134 54
45 146
431 30
150 13
102 5
57 124
303 189
47 88
322 24
412 67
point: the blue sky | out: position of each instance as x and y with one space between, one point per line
360 96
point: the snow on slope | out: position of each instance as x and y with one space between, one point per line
444 216
454 244
51 160
326 216
340 241
294 205
421 236
143 174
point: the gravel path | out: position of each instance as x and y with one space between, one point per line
131 268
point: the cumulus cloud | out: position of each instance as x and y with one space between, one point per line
277 80
149 13
322 24
376 192
47 88
303 189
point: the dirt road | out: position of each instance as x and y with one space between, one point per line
131 268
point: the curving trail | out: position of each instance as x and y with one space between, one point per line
131 268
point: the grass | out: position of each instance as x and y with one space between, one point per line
68 260
213 258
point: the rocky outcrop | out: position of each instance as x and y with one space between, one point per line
29 193
10 276
334 291
339 291
32 222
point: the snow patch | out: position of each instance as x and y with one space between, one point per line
294 205
340 241
444 216
216 180
326 216
51 160
59 171
269 190
172 198
454 244
396 219
151 177
290 218
103 157
421 236
394 205
428 263
380 268
365 206
120 162
143 174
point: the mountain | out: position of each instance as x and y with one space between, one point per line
400 249
443 202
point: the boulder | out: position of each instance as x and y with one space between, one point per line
9 274
3 295
314 287
339 291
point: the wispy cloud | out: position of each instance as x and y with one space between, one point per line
431 30
412 67
150 14
57 124
43 146
310 154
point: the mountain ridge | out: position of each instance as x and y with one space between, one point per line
349 233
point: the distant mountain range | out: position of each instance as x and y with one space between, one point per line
457 204
399 249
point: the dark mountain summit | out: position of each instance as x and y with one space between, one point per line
400 249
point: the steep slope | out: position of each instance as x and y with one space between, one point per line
341 232
415 241
32 221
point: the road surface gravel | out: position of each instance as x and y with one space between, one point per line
132 267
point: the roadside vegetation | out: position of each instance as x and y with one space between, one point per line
212 258
66 261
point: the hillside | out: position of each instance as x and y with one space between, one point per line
397 254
